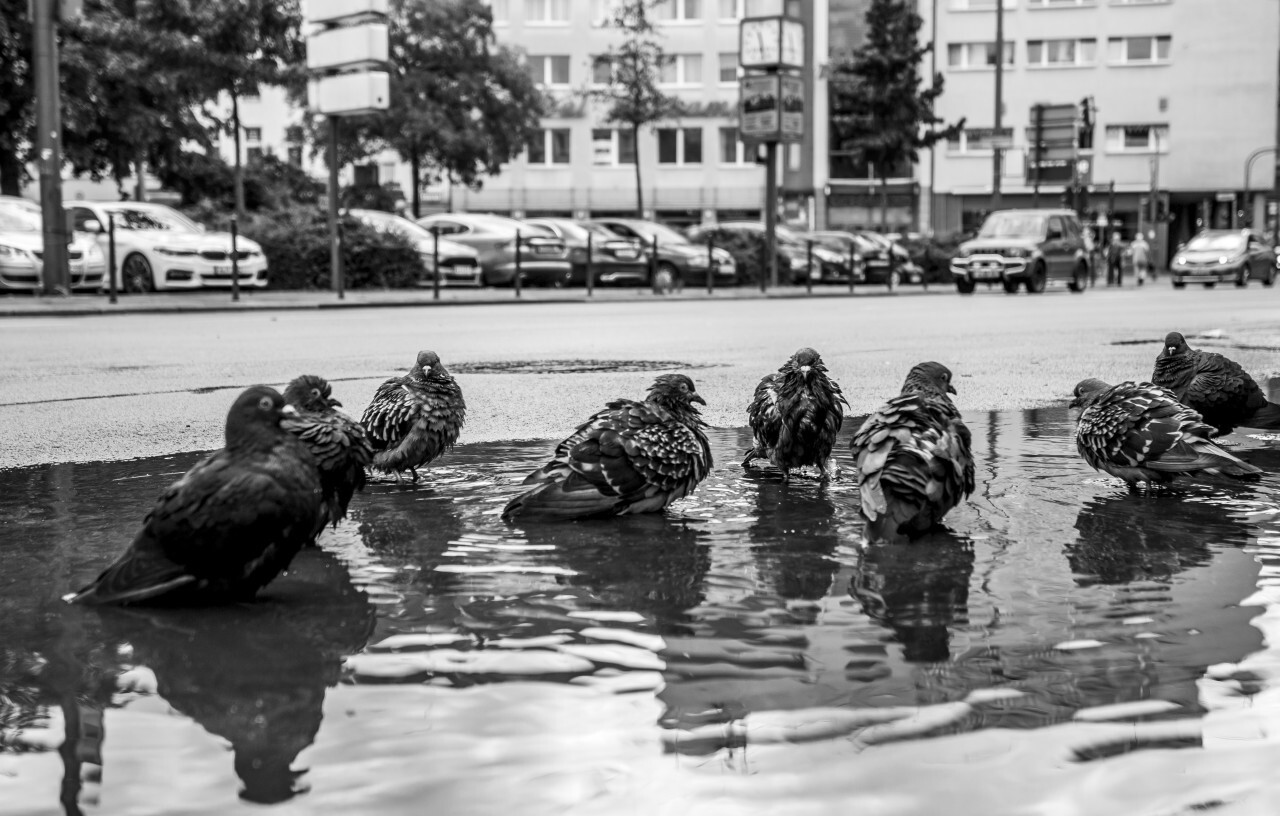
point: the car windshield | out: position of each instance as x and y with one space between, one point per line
1221 242
835 242
149 218
387 222
665 234
15 217
1008 225
570 229
601 232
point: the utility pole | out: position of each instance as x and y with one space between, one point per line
238 179
1037 153
933 73
55 275
997 153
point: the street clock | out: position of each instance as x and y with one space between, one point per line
771 43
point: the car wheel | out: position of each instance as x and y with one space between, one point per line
1010 285
1079 279
1270 279
664 278
964 286
1179 284
136 276
894 279
1035 283
1242 279
1210 284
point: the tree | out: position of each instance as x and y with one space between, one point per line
461 106
878 110
17 94
633 96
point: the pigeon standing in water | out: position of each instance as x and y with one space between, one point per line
339 443
1141 433
1223 392
231 524
632 457
912 457
795 416
415 418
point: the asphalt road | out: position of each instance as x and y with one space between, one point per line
119 386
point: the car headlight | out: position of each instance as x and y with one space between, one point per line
7 251
964 252
176 252
1180 260
1016 253
798 263
698 262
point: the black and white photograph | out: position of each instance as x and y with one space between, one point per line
639 407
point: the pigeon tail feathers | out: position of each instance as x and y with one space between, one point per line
1266 418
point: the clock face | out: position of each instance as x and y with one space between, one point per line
793 42
759 42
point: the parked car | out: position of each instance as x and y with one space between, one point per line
616 259
898 257
1214 256
876 262
459 264
1024 247
679 261
544 258
22 251
160 248
746 241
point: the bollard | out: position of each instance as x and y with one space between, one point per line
653 266
853 267
235 263
591 263
764 265
435 251
808 268
711 265
111 255
516 280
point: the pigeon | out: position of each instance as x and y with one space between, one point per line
1141 433
795 415
415 418
632 457
230 525
339 443
1223 392
912 457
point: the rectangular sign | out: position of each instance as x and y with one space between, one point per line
792 108
760 117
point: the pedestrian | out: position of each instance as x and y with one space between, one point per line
1091 252
1115 261
1140 251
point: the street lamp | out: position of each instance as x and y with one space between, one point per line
1248 166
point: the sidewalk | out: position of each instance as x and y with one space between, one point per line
22 305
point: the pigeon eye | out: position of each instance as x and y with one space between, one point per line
315 392
264 404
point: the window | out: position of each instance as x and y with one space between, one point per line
1137 138
731 149
604 11
729 66
610 148
253 134
253 154
968 56
980 5
1138 50
1059 3
250 96
729 9
1061 53
680 146
546 11
682 69
549 146
293 133
295 155
601 70
501 10
549 70
976 140
678 10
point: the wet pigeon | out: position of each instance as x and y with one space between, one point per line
339 443
795 415
1223 392
632 457
230 524
415 418
912 457
1140 432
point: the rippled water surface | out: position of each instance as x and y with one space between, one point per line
430 658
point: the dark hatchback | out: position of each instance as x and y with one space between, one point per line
616 260
1224 256
679 261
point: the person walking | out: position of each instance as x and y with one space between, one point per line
1140 251
1115 261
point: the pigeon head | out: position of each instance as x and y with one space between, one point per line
929 378
1087 392
255 416
807 362
428 364
310 393
1175 344
675 392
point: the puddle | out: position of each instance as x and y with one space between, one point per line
573 366
430 653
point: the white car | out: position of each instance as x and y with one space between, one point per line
160 248
22 248
459 264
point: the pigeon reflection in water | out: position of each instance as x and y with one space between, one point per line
256 674
1148 538
919 591
793 538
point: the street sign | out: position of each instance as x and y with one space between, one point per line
771 108
348 57
792 93
1225 196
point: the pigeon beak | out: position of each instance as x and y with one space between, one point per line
696 397
289 411
333 403
951 389
1075 403
806 370
1170 350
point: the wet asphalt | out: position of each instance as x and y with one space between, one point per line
100 387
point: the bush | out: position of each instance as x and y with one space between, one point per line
296 243
268 182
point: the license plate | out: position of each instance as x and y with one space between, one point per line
987 271
462 271
627 254
222 270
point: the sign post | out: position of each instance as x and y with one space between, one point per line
771 105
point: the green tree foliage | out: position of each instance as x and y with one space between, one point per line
633 96
461 106
17 112
879 111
